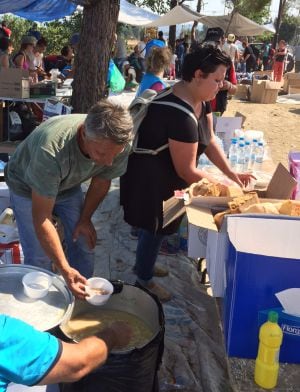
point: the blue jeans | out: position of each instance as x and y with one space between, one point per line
68 210
146 254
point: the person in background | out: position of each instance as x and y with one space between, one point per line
160 36
31 357
150 180
34 32
6 49
135 62
156 63
179 51
172 68
120 52
142 51
4 30
44 176
266 56
249 57
22 59
38 58
216 37
231 49
279 61
129 75
74 42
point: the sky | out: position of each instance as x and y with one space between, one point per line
216 7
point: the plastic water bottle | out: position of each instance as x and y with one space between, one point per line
232 155
266 364
240 158
259 155
253 152
247 153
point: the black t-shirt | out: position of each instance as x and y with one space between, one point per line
251 59
150 180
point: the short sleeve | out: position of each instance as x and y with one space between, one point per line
181 126
43 174
26 355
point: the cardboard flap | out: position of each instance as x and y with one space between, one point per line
260 235
172 209
281 185
201 217
13 74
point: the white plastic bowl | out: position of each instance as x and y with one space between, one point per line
36 284
95 284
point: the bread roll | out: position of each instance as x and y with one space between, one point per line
239 204
234 191
290 207
219 217
262 208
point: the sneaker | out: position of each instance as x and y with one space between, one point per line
162 294
158 271
168 249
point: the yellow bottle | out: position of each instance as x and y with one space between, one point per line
266 364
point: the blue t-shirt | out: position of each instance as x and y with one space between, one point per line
26 355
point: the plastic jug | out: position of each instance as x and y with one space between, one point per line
266 364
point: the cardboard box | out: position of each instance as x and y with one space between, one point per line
225 127
263 259
264 91
200 211
242 92
290 325
261 74
294 89
290 78
14 83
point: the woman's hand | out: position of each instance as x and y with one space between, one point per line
242 179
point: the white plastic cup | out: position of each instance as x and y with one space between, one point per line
36 284
91 288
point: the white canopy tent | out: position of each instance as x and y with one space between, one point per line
177 15
130 14
236 24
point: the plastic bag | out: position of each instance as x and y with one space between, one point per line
116 81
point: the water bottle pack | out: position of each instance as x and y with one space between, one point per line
245 155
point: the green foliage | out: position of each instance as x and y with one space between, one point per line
289 29
256 10
57 33
157 6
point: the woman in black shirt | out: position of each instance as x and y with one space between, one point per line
152 179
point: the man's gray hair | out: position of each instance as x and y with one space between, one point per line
106 120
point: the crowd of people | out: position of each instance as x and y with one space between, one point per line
30 55
46 171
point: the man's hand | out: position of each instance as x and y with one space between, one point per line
75 282
87 230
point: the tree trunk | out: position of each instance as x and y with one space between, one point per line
172 29
195 24
278 22
94 51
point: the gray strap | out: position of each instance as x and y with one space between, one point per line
177 106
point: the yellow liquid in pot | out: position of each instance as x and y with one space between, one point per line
88 324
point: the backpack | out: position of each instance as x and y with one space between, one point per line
138 110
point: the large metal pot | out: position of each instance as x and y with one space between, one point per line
45 314
134 370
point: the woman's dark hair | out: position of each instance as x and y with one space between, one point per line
5 43
65 50
42 42
205 58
